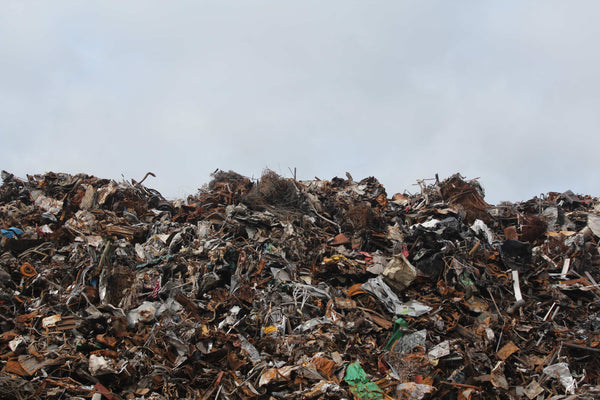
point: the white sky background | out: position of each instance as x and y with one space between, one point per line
508 91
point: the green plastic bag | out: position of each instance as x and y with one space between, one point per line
361 385
399 326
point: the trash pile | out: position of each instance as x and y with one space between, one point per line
279 288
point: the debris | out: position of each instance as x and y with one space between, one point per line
277 375
480 228
12 232
414 391
439 351
506 351
27 270
533 390
361 385
408 342
497 377
400 326
399 273
561 372
279 288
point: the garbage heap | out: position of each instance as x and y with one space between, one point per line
280 288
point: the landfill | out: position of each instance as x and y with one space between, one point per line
278 288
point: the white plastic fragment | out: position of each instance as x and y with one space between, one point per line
480 227
98 365
593 222
378 288
144 313
50 322
516 285
432 223
231 317
413 308
13 344
399 273
45 229
440 350
561 372
139 251
415 391
565 269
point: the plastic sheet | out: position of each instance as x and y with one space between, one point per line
361 385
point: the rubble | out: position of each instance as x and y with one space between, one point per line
279 288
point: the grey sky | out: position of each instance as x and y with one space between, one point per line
506 91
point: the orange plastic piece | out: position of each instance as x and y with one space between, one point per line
355 290
27 270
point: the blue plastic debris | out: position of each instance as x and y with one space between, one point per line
12 232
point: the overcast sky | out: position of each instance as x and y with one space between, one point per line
507 91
